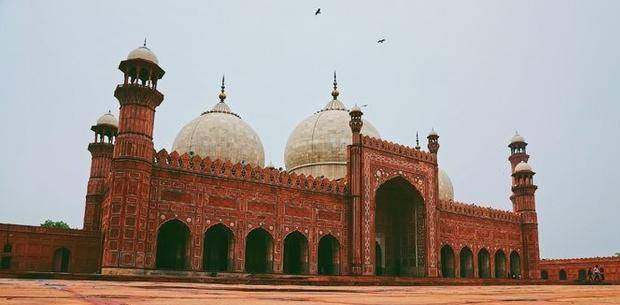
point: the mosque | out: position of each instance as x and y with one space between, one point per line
347 203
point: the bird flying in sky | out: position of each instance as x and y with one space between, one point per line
382 40
318 11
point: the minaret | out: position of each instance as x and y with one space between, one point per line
101 150
125 218
433 141
354 173
524 204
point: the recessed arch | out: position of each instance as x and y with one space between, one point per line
172 245
466 258
400 228
515 265
484 263
447 261
62 258
562 275
500 264
544 274
328 255
5 261
295 253
259 251
218 248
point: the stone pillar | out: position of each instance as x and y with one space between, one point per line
354 173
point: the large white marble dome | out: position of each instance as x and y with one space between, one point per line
221 134
446 191
318 145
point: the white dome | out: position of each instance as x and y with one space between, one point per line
318 145
446 191
517 138
221 134
108 119
523 167
433 132
143 53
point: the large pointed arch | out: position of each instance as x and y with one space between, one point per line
500 264
400 228
259 251
484 263
447 261
466 258
218 248
515 264
62 258
172 246
328 255
296 253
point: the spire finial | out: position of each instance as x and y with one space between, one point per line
144 45
222 95
335 92
417 141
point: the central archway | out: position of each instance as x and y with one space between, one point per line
172 246
329 259
259 251
295 253
399 228
218 249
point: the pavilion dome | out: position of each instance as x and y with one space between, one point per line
523 167
446 191
318 145
517 138
108 119
221 134
143 53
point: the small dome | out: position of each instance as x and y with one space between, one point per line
108 119
433 132
446 191
517 138
221 134
356 108
318 145
143 53
523 167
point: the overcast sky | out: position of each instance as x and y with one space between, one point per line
476 71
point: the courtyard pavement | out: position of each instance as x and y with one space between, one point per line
66 292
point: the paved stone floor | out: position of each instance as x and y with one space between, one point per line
15 291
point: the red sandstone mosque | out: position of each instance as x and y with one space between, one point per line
348 202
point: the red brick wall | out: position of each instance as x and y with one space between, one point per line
33 248
464 225
573 265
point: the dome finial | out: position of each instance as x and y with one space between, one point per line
222 95
335 92
144 45
417 141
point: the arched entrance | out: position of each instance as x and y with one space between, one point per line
5 262
466 258
515 265
581 274
329 259
62 257
447 261
544 274
400 227
500 264
172 246
484 264
218 251
259 251
562 275
295 253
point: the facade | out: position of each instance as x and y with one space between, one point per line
348 203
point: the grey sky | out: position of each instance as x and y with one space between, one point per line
476 71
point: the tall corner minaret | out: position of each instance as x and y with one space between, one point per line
524 204
101 150
124 219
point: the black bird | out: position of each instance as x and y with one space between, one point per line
382 40
318 11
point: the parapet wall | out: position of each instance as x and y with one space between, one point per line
246 172
478 211
398 149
